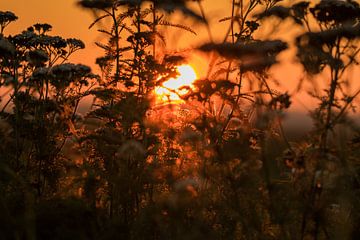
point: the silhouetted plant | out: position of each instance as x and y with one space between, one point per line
125 147
40 116
330 47
217 165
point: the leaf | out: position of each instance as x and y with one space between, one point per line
186 28
229 18
98 19
123 26
106 32
103 46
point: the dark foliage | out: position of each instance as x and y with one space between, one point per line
214 164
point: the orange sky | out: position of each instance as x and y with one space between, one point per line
68 20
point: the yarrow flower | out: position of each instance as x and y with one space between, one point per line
25 38
64 74
6 18
75 43
337 11
42 27
39 75
6 48
37 57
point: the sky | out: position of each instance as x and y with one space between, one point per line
69 20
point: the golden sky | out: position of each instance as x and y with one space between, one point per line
69 20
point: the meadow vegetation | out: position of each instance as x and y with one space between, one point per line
215 165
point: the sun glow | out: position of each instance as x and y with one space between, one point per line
171 89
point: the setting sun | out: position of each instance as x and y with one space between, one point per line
170 89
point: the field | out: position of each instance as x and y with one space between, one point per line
172 137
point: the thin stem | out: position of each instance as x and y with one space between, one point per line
332 92
154 30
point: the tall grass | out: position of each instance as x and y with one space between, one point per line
218 165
